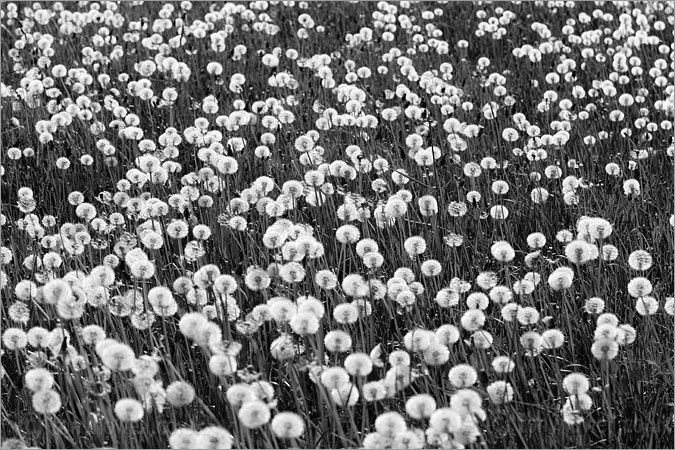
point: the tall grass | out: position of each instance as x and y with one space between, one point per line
490 86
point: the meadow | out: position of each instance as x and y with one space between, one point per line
283 224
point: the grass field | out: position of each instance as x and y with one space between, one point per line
337 224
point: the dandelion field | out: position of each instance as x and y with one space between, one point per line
337 224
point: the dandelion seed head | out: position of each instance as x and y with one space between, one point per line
374 391
499 212
129 410
213 437
420 406
571 416
487 280
500 187
467 402
254 414
305 323
631 187
390 423
640 260
579 402
283 348
117 356
552 338
326 279
607 318
605 349
288 425
646 305
503 364
502 251
532 342
561 278
605 331
180 393
473 320
500 392
347 234
46 401
457 209
376 440
536 240
639 287
222 365
431 268
501 295
19 312
594 305
477 300
395 207
409 439
474 197
626 334
579 252
564 236
523 287
463 375
334 377
445 420
366 246
346 395
354 285
337 341
539 195
669 305
183 438
238 394
38 379
609 252
358 364
418 340
527 315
